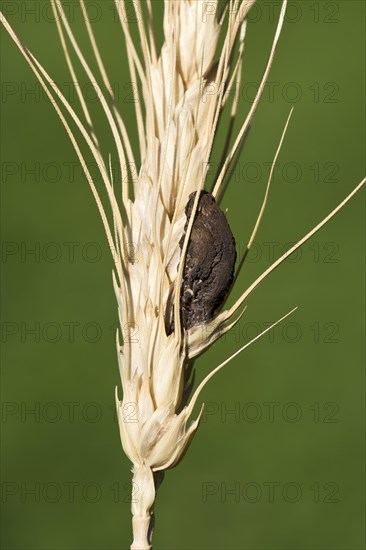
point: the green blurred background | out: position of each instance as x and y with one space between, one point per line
278 462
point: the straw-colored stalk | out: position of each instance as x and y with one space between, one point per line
185 87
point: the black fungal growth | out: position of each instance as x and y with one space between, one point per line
209 264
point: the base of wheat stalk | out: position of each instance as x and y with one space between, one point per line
142 502
144 487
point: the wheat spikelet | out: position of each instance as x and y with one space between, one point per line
184 87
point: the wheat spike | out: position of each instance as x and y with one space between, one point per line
184 88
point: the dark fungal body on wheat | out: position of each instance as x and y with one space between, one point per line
209 264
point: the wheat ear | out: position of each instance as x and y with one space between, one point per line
184 91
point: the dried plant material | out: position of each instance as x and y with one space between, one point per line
173 296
